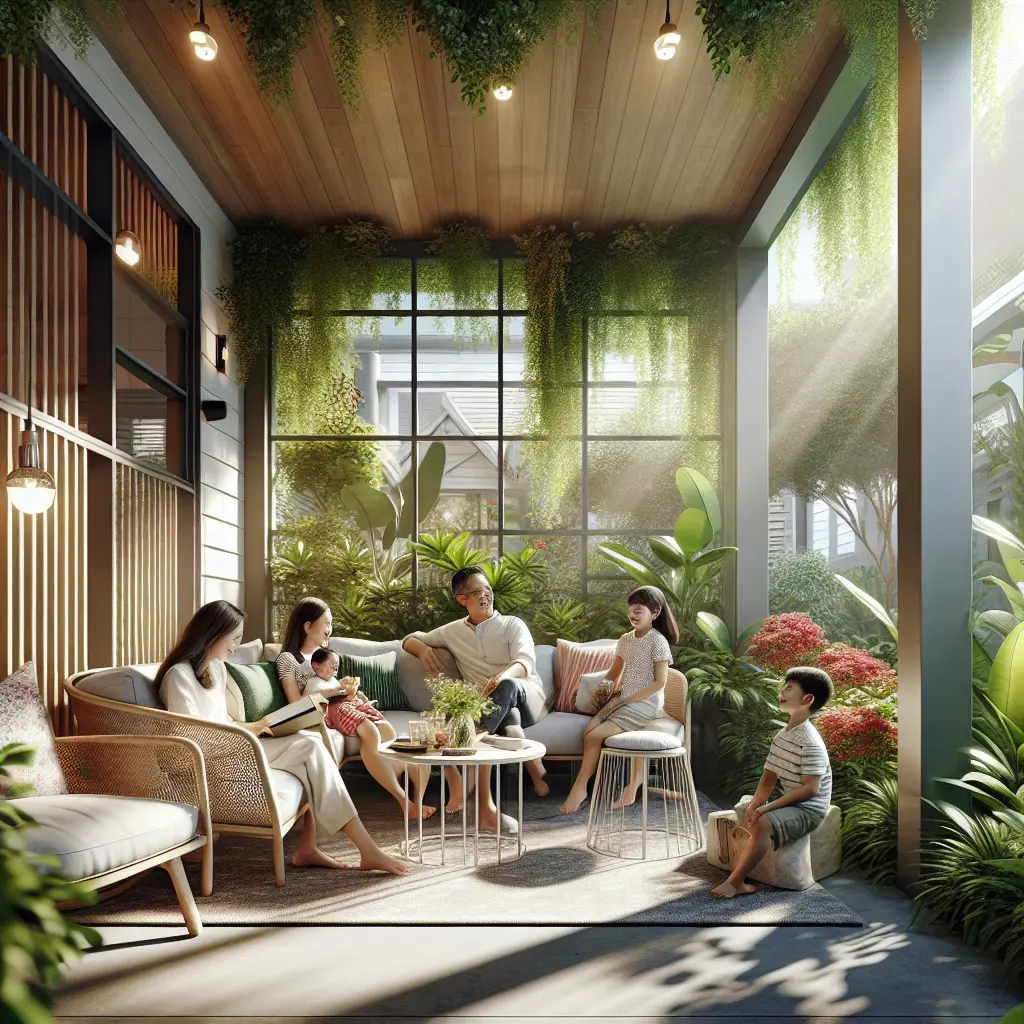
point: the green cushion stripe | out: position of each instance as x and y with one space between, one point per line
378 676
260 688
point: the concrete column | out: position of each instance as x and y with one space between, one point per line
935 416
750 435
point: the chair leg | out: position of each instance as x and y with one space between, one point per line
278 842
206 886
186 900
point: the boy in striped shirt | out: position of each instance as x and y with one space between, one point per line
798 759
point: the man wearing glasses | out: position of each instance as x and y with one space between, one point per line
496 652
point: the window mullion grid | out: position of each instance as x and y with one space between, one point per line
414 425
501 407
584 447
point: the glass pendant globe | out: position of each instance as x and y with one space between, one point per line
502 91
202 42
667 42
128 248
31 490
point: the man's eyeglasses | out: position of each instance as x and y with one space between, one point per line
477 593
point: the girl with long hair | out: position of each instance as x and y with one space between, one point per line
308 630
193 681
638 675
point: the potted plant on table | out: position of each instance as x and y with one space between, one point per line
462 705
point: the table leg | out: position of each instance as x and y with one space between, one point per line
419 815
465 811
644 767
406 851
519 834
476 816
497 800
442 813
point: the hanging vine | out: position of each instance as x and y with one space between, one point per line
462 276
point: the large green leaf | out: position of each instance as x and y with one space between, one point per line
1006 680
633 564
871 604
1003 391
743 640
373 509
668 551
694 531
430 475
715 630
1013 595
713 557
697 492
1011 547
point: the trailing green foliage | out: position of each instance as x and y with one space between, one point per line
869 830
461 276
24 22
36 939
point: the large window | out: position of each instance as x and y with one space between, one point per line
426 373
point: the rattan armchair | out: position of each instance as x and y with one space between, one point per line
238 776
167 768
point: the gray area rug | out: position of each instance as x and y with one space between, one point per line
557 881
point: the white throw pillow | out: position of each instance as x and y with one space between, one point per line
643 740
247 653
589 682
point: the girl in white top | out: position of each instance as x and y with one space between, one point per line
309 628
193 681
638 674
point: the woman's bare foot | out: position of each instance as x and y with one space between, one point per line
428 811
726 891
541 788
315 858
454 805
628 797
380 861
573 802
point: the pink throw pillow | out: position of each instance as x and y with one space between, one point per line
575 661
23 719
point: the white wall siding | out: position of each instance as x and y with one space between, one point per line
221 468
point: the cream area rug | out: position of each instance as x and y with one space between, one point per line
558 880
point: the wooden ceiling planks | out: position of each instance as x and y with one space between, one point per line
598 131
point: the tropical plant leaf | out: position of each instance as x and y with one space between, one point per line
743 640
715 630
1011 548
1012 594
372 509
713 558
694 531
1006 680
430 475
633 564
871 604
668 551
697 493
1015 866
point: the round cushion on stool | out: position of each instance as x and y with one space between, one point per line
643 739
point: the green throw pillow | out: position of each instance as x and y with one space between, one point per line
378 676
260 688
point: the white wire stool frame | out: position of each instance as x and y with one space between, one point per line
613 832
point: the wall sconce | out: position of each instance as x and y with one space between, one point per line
222 353
128 248
213 409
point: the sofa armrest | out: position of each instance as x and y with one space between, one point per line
152 767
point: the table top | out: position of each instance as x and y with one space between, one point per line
486 754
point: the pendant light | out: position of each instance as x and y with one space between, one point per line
502 90
30 487
128 247
668 39
202 41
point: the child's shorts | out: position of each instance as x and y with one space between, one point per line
346 717
791 823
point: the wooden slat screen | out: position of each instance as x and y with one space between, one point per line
41 121
147 566
139 210
44 572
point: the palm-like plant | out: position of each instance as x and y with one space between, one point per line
869 830
692 569
569 620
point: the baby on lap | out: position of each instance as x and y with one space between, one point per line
348 713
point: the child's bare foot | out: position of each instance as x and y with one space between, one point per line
726 891
380 861
627 798
315 858
541 788
428 812
454 805
573 802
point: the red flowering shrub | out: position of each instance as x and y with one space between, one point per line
786 640
850 666
856 734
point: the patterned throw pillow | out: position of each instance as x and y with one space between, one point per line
260 688
23 719
378 679
574 660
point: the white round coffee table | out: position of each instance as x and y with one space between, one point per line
485 755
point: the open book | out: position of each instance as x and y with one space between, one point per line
304 713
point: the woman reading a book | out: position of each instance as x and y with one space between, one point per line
193 681
308 630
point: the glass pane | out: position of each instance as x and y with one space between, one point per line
514 356
458 412
469 487
542 485
436 290
462 348
520 415
648 409
142 331
393 289
150 426
631 484
514 284
646 348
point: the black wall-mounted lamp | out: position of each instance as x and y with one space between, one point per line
222 353
212 409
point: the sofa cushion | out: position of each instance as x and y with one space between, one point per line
248 653
288 792
410 670
590 682
560 731
131 684
90 834
378 678
572 661
23 719
271 652
546 671
259 687
643 739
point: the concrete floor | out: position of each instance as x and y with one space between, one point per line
882 971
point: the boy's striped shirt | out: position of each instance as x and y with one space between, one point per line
798 752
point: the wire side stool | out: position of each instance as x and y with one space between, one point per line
666 806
